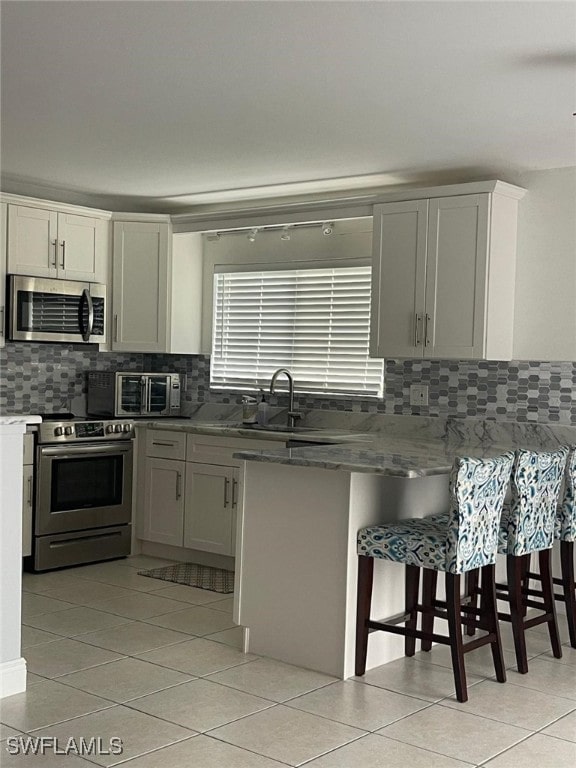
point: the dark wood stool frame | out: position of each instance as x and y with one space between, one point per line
484 617
517 594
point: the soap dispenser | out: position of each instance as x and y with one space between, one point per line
262 416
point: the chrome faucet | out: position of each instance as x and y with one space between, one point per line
292 414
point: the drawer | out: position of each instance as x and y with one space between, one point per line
165 444
208 449
28 448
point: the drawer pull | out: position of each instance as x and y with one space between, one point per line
160 442
30 491
178 484
234 493
226 483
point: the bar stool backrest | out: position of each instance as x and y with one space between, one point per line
477 490
567 511
536 480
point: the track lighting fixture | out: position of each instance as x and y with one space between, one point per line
213 237
327 227
285 233
252 234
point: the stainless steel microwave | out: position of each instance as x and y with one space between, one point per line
45 309
133 394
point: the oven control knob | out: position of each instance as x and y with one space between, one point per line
59 431
117 427
126 428
109 429
68 431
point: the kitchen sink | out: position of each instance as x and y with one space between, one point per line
280 428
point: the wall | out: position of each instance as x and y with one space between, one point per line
545 306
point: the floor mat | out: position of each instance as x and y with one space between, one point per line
193 575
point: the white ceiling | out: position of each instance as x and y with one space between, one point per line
145 105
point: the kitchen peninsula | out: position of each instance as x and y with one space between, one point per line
301 509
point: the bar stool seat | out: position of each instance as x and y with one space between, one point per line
465 539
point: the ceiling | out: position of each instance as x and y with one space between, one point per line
162 105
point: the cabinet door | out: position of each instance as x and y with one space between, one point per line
27 502
163 519
140 287
456 277
3 243
32 241
211 498
81 247
398 279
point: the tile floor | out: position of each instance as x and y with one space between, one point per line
114 654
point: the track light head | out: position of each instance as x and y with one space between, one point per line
252 234
285 233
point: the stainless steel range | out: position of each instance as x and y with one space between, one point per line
83 492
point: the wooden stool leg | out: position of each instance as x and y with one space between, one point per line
455 633
514 573
471 592
365 579
411 601
430 579
525 581
569 587
549 603
489 615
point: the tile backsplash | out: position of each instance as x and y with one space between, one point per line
51 377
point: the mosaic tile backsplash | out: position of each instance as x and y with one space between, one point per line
51 377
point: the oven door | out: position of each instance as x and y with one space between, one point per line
83 486
157 397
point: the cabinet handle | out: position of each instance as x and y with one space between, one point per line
178 484
426 336
55 244
160 442
417 339
115 327
30 491
226 483
234 493
63 254
3 317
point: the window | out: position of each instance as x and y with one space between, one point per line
314 321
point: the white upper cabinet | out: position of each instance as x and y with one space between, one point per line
443 277
140 278
49 243
156 288
3 237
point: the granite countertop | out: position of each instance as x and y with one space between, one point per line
272 432
384 456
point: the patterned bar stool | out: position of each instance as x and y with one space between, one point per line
527 527
465 539
565 531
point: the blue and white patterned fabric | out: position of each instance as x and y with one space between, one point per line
566 517
463 539
528 522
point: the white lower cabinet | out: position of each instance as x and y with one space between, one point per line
189 494
210 509
163 514
27 494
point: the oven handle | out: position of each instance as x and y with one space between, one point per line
71 452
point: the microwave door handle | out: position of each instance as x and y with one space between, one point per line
148 395
86 295
85 298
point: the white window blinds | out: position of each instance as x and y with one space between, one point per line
316 322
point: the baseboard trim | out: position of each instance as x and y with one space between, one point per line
12 677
